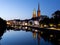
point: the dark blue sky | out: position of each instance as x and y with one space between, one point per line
23 9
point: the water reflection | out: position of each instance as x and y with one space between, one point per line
52 37
2 32
49 36
36 36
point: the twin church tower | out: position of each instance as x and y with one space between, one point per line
38 12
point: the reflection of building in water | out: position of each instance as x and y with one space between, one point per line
38 38
2 31
37 35
34 35
53 37
50 36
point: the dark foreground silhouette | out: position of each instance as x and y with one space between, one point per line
2 31
3 26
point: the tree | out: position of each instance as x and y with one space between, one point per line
2 23
56 17
56 14
45 21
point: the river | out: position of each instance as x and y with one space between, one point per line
29 37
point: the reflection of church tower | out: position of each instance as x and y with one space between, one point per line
38 11
34 13
34 35
38 37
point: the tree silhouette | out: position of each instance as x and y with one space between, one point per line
2 23
56 17
56 14
2 27
45 21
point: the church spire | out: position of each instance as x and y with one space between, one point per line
34 13
38 7
38 11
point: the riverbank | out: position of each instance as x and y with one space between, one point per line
54 29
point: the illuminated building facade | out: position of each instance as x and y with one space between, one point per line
34 13
38 12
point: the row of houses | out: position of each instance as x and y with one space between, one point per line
27 22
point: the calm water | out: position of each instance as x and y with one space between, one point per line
23 37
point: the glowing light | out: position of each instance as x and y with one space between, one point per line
45 26
25 27
36 22
8 23
36 30
52 28
51 25
51 35
25 23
